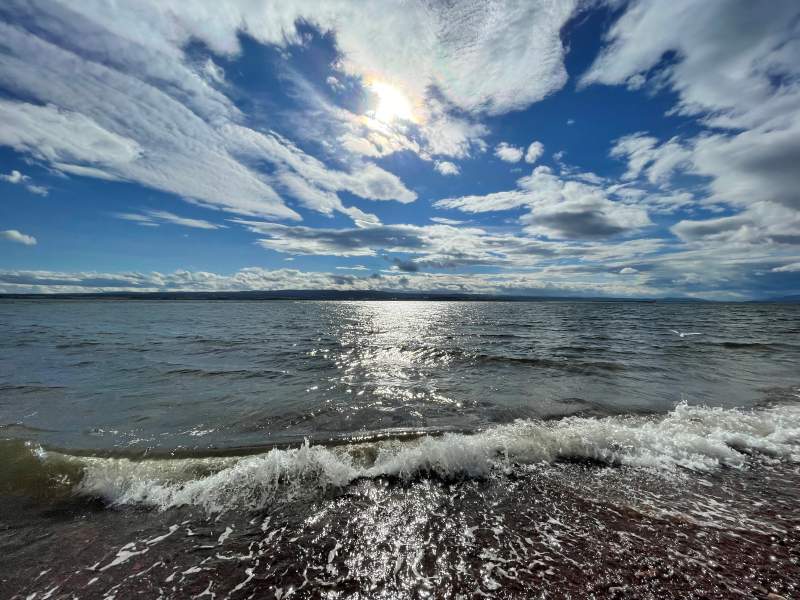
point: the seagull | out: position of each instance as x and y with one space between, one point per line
685 333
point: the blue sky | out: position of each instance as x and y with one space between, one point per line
614 148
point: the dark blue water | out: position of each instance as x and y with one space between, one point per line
117 374
399 450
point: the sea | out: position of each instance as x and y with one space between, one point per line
408 449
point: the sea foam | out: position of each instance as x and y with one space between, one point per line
689 437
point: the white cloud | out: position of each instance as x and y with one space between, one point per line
534 152
14 177
790 268
253 278
116 118
727 55
152 218
460 60
437 133
334 83
142 220
508 153
168 217
436 246
736 69
559 208
478 64
12 235
495 64
645 155
760 224
213 71
39 190
628 271
18 178
446 167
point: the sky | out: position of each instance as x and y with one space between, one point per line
550 147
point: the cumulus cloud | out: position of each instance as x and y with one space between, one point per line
12 235
334 83
534 152
508 153
645 155
441 246
446 167
254 278
735 69
728 55
759 224
14 177
558 207
18 178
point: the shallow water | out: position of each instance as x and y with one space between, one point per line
398 449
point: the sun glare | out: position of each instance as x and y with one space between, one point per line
392 104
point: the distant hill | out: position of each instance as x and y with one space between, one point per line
793 299
325 295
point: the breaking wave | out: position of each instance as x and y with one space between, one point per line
689 437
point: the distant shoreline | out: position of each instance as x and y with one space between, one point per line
332 295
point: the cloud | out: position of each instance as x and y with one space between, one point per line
12 235
477 64
255 278
39 190
407 266
14 177
790 268
18 178
436 133
729 58
435 246
646 156
628 271
559 208
138 110
445 246
534 152
152 218
448 135
446 167
759 224
508 153
444 221
735 69
334 83
333 242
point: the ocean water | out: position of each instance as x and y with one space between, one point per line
280 449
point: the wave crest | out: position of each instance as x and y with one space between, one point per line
689 437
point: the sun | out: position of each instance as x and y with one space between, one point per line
392 103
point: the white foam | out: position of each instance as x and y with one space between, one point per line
696 438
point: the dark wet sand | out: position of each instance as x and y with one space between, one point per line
568 530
